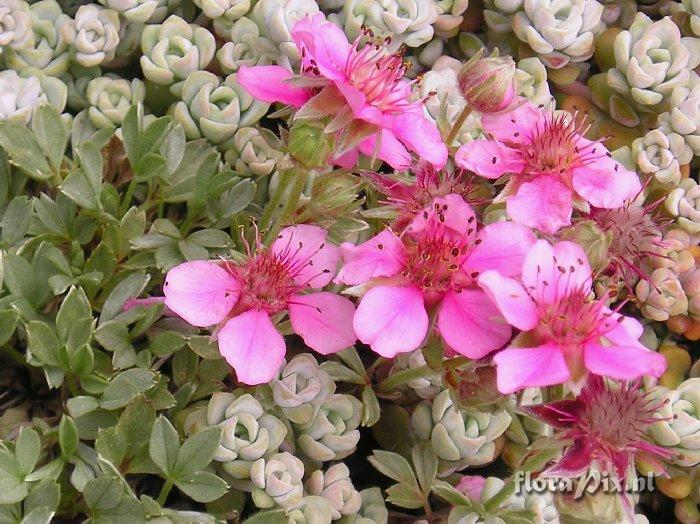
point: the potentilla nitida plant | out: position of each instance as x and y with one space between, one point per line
244 299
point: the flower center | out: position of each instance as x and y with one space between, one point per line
573 318
617 417
378 74
434 264
267 283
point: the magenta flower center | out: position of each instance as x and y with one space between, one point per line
616 418
266 283
377 74
557 148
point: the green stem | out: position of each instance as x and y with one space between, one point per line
403 376
458 124
275 199
165 491
128 196
301 176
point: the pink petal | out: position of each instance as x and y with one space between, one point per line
511 299
517 368
361 109
308 255
623 362
502 246
420 135
251 344
489 159
324 43
390 149
471 324
544 203
564 267
347 160
270 84
517 126
201 292
605 183
391 187
383 255
391 319
449 212
324 321
623 331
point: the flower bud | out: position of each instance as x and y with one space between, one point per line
488 84
309 145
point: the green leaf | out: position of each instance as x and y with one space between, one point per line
39 516
27 448
8 324
202 486
20 280
404 496
394 466
448 492
23 149
102 493
51 133
74 319
43 342
46 494
67 436
128 288
203 346
167 342
197 452
84 185
426 464
111 444
352 360
372 411
164 445
15 221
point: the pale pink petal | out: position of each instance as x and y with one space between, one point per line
449 212
622 330
623 362
518 368
311 259
471 324
489 159
324 43
501 246
271 84
324 321
201 292
605 183
511 299
347 160
253 347
543 203
420 135
383 255
555 271
517 126
390 149
391 319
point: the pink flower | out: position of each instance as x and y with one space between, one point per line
431 270
409 197
552 165
606 424
361 91
570 333
243 298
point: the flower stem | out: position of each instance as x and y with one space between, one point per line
300 177
458 124
165 491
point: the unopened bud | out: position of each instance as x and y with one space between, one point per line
309 145
488 84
